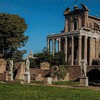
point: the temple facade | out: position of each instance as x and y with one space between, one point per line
80 38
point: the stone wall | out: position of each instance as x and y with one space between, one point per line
38 72
93 48
44 66
75 71
4 76
20 71
3 64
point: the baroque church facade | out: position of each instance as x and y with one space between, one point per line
80 38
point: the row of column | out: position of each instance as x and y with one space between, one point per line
72 48
54 45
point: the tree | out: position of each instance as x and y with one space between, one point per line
58 71
12 28
45 56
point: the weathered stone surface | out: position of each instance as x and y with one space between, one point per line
27 77
44 65
39 78
38 74
48 80
3 64
84 81
21 71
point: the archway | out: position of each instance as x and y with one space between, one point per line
94 75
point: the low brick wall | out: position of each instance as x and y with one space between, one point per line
74 72
34 72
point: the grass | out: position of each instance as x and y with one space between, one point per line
68 83
29 92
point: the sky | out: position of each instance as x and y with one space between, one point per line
44 17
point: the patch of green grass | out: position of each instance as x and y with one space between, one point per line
29 92
37 82
68 83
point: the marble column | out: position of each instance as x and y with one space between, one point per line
79 50
66 49
72 51
90 58
59 44
97 48
53 46
48 45
85 48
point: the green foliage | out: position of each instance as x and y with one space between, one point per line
34 63
31 92
12 28
45 56
59 58
59 72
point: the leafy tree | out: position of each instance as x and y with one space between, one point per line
12 28
34 63
45 56
59 58
58 71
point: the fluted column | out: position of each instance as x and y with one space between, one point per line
79 49
72 51
59 44
97 48
65 49
48 45
90 58
53 46
85 48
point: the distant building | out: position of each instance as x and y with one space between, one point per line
80 38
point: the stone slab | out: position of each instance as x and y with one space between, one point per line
84 81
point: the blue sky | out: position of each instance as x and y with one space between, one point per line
44 17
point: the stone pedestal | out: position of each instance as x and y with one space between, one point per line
48 80
27 77
83 81
10 76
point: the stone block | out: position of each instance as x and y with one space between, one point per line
48 80
21 71
84 81
39 78
27 77
44 65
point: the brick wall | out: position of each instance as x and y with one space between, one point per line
34 72
75 72
2 76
